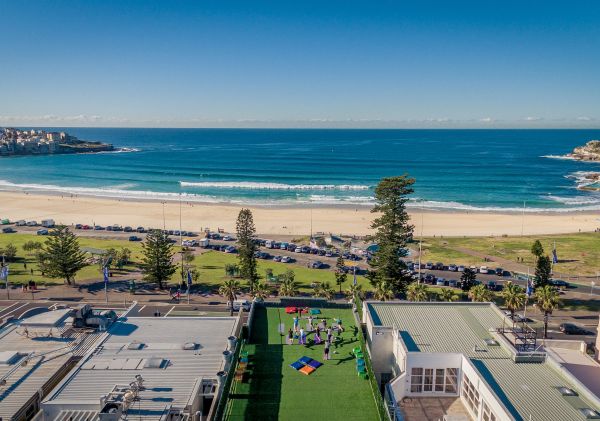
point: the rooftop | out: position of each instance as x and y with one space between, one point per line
525 389
273 390
171 355
30 356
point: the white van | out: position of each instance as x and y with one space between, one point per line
237 304
48 223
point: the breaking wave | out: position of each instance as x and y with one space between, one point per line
271 186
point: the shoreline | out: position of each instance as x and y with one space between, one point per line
282 220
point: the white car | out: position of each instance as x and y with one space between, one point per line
483 269
286 259
452 268
228 238
298 250
237 304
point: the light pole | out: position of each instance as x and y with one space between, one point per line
4 274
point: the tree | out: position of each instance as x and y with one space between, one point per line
543 271
229 290
247 247
514 298
468 278
480 294
31 246
447 295
288 287
547 299
157 261
417 292
537 250
392 233
323 290
231 269
61 256
261 291
122 257
383 291
355 291
9 252
340 274
288 275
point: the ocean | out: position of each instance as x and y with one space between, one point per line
485 170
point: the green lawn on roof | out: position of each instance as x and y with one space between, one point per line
274 390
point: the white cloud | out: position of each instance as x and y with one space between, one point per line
486 120
533 118
583 118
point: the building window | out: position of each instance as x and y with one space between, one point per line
471 395
428 384
451 380
487 414
416 380
439 379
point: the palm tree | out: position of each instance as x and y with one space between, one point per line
230 289
514 298
355 291
383 291
547 299
323 290
479 293
288 287
447 295
261 291
417 292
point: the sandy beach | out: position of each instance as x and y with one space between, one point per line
279 221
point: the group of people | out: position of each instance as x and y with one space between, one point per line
322 333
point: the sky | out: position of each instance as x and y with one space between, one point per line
300 63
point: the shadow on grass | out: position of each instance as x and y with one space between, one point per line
264 388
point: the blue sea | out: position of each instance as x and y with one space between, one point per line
487 170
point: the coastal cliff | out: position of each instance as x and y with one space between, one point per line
588 152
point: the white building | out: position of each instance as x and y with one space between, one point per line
153 368
458 361
34 355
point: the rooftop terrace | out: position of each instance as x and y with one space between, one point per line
529 391
274 390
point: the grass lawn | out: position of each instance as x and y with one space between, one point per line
19 274
211 267
577 253
275 391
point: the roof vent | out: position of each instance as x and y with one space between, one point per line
134 346
589 413
189 346
156 363
491 342
565 391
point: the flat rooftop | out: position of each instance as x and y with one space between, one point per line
272 390
154 349
526 389
32 355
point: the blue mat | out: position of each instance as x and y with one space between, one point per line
315 311
305 360
315 364
297 365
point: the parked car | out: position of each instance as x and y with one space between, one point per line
134 238
277 258
286 259
453 283
140 230
21 223
499 271
573 329
483 269
42 231
228 238
108 228
291 247
298 250
117 228
128 229
86 227
78 226
559 283
452 268
8 230
230 249
32 223
316 264
429 278
239 304
98 228
328 253
321 252
428 265
460 268
305 249
439 266
440 282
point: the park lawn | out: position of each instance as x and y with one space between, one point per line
434 251
577 253
275 391
19 274
211 268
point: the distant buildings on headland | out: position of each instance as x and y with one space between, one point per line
40 142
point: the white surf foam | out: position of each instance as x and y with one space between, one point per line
271 186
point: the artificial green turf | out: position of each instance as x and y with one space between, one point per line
274 390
